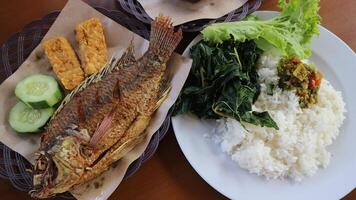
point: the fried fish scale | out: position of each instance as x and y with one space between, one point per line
105 117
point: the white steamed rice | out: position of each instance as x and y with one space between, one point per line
299 148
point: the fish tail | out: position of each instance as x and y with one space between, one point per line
163 38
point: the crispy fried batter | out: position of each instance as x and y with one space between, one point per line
64 62
92 47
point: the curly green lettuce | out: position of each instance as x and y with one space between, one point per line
290 32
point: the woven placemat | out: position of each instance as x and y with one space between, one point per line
134 8
13 53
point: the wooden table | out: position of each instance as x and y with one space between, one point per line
168 174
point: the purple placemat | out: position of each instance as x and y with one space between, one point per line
134 8
13 53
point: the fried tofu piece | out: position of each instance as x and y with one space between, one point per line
92 46
64 62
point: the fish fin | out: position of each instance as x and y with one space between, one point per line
164 89
133 135
163 96
127 58
102 128
105 163
163 38
107 121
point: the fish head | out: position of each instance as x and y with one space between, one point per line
59 168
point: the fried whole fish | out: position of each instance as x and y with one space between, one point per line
105 117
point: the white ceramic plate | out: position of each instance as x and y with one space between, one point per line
338 63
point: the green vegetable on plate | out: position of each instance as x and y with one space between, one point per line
223 83
290 32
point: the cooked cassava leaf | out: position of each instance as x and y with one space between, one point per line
258 118
223 82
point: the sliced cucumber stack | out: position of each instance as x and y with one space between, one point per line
25 119
39 91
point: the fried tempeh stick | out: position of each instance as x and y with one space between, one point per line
92 47
64 62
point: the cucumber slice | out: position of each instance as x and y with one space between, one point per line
39 91
26 119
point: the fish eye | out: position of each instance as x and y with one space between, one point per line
41 164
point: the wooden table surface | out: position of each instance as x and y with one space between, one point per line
168 174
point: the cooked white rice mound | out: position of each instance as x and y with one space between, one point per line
299 148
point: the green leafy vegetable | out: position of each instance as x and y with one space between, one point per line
223 82
290 32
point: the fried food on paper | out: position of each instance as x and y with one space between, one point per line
104 119
92 46
64 62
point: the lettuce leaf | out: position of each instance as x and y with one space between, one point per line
290 32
